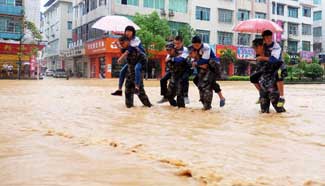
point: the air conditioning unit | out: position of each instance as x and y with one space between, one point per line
162 12
171 13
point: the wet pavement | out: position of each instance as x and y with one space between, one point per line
58 132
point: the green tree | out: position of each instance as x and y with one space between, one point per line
154 31
187 32
286 58
227 56
315 60
314 71
297 72
33 29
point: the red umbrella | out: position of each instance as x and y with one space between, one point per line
257 26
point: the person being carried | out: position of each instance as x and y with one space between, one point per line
133 57
272 54
266 73
135 44
207 62
178 67
182 54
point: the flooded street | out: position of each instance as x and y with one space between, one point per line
74 133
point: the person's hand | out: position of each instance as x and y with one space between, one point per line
194 63
259 58
119 61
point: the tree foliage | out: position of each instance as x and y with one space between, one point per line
154 31
227 56
187 32
314 71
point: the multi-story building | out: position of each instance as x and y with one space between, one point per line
319 26
212 20
11 16
32 11
57 30
214 23
12 37
295 16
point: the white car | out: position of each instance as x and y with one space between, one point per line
49 72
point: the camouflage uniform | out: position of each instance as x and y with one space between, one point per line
176 82
132 59
269 92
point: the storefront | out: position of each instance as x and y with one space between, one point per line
9 59
103 55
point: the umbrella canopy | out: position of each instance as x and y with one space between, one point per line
257 26
114 24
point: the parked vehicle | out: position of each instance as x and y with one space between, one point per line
49 72
60 73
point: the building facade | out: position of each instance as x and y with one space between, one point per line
57 30
296 19
13 40
213 21
319 26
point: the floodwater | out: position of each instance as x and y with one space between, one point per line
73 133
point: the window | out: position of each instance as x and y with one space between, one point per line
205 35
157 4
317 15
306 45
93 4
260 1
317 32
273 7
225 38
293 28
306 29
178 5
8 2
102 2
292 12
175 27
292 46
19 3
2 25
280 9
260 15
317 47
69 25
306 12
128 2
244 39
202 13
225 16
70 9
243 15
10 25
317 2
69 42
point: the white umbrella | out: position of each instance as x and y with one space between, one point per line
114 24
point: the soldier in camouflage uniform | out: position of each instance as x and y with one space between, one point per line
178 67
135 56
208 71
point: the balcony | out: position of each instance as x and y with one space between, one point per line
11 10
8 35
308 3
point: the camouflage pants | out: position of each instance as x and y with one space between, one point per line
205 84
175 88
130 90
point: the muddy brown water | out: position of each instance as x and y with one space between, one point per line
58 132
